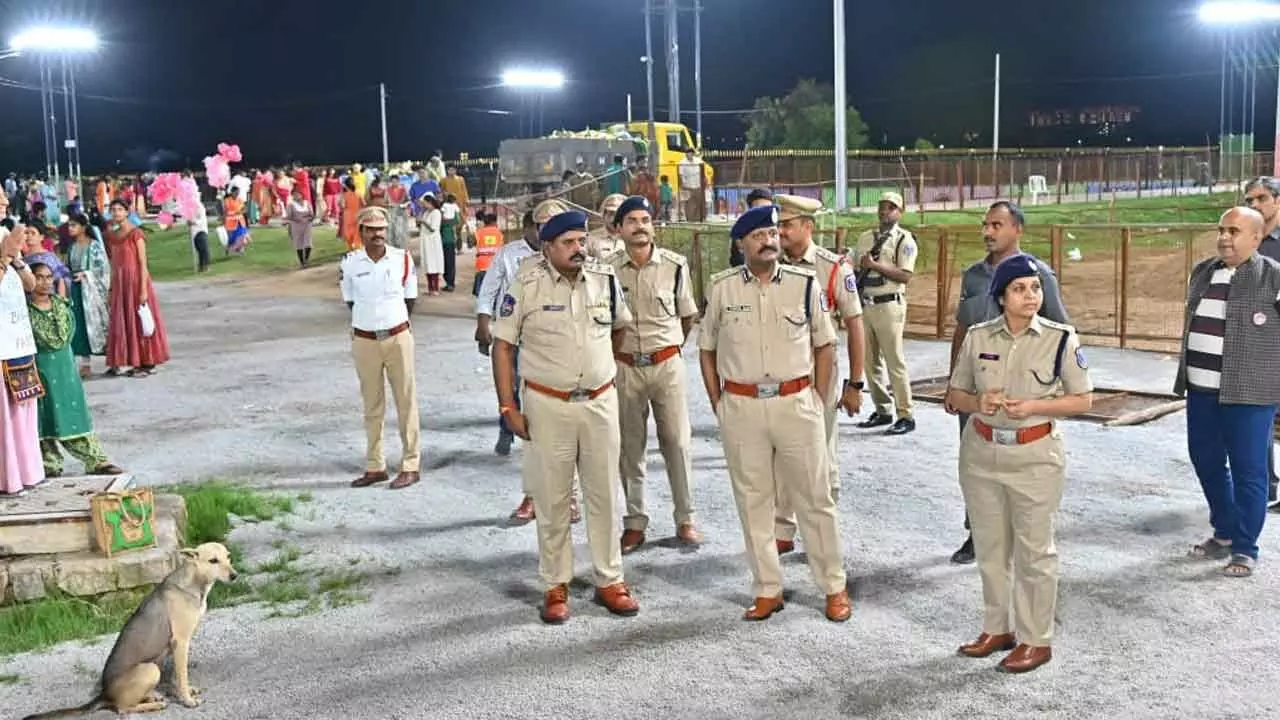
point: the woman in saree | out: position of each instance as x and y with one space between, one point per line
265 197
131 291
37 251
351 204
20 465
63 414
90 285
233 220
397 213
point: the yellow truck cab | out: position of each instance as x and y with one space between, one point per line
673 140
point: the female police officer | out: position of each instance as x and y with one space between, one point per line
1016 374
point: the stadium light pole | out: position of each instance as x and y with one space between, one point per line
1248 12
841 100
538 81
61 43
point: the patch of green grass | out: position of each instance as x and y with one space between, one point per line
60 618
10 679
210 506
169 253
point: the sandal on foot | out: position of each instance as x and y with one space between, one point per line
107 469
140 373
1240 566
112 372
1211 549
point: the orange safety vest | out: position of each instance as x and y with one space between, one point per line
488 240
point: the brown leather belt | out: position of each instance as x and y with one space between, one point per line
578 395
645 360
767 390
380 334
1010 436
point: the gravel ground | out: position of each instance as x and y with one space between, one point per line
264 390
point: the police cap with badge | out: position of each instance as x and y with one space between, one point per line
764 216
630 205
1020 266
557 225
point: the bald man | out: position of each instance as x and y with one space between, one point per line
1233 302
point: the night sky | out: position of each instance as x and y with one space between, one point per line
297 79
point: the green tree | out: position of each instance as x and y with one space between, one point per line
805 119
925 144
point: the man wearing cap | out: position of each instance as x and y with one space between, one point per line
379 284
564 313
506 267
759 197
886 262
766 345
651 371
840 291
604 240
1002 228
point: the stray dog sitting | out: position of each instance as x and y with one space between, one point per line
161 627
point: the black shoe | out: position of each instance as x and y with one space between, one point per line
503 447
1275 508
902 427
964 556
876 420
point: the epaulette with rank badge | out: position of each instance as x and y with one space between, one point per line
672 255
796 270
726 273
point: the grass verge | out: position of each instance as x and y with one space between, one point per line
288 589
169 253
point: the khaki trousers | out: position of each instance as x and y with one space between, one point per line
775 446
377 362
1012 494
663 387
564 436
784 526
884 324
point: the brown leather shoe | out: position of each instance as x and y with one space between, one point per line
575 512
1026 658
987 645
631 541
763 608
839 607
405 479
523 514
688 534
785 546
617 599
555 605
370 478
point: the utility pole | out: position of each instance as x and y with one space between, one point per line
648 62
673 60
842 114
697 67
382 99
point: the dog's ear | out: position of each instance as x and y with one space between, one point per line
188 552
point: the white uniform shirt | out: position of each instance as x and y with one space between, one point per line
501 273
199 223
379 289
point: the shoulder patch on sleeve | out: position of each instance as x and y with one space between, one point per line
851 283
508 306
1080 361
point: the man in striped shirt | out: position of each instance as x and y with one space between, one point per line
1230 374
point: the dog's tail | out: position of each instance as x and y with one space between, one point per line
91 706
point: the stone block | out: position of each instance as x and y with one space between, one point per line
85 575
29 579
4 584
46 538
145 567
173 506
167 535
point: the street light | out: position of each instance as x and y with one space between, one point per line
1247 12
61 42
538 81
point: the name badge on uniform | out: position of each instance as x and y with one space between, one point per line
738 308
553 308
988 356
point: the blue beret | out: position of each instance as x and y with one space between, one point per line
1011 268
631 204
754 219
558 225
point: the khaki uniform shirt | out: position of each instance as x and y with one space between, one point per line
845 302
563 328
765 332
899 249
658 296
601 245
992 358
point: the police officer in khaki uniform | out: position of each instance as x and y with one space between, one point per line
1015 376
563 314
604 241
766 343
839 288
886 261
651 370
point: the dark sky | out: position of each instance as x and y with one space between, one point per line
297 79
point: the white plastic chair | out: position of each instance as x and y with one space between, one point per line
1037 185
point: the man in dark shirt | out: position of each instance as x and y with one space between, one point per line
1263 194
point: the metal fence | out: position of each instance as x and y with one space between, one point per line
1123 285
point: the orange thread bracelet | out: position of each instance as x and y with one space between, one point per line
504 409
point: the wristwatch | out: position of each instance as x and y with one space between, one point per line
855 384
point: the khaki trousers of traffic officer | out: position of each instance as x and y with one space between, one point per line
784 527
378 362
1012 494
564 435
884 324
773 446
663 386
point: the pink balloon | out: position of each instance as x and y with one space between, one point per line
217 170
188 198
230 153
165 219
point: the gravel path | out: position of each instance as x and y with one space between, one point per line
264 390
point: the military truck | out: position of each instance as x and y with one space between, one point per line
534 164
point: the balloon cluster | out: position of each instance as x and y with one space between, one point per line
218 167
172 191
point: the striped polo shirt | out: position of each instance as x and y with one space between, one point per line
1208 328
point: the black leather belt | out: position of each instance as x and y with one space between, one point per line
880 299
